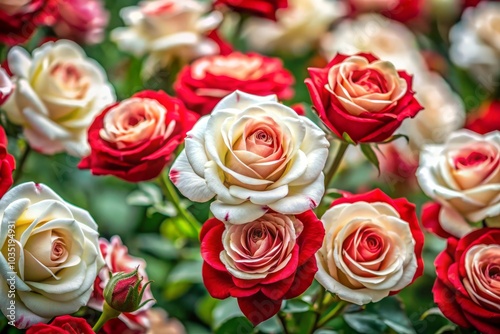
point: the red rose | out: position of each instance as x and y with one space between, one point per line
467 288
7 164
261 262
261 8
136 138
65 324
20 18
486 120
362 96
205 82
399 10
117 326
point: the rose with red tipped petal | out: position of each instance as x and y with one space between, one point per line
136 138
467 287
205 82
65 324
262 262
362 96
444 221
487 119
7 164
260 8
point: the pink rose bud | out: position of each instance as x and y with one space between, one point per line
124 291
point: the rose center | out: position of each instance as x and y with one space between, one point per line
493 271
69 77
371 80
473 159
58 250
262 137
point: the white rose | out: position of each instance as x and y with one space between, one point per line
464 174
58 92
297 29
475 42
165 30
254 154
50 250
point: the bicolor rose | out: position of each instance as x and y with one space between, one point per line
254 155
262 8
486 119
262 262
117 259
464 175
167 30
59 92
361 96
444 221
7 164
467 288
205 82
65 324
372 248
52 248
136 138
6 86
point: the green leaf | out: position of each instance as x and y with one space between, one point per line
325 331
364 322
272 325
235 325
348 139
205 308
296 306
370 155
391 311
138 198
157 245
225 310
186 272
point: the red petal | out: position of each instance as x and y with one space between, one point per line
258 308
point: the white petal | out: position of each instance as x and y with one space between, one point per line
19 62
301 198
237 214
259 197
240 100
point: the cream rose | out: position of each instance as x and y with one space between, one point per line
254 154
464 174
297 29
165 30
49 252
371 249
58 92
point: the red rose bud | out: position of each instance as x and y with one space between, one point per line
124 291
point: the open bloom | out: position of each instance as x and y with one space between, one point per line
467 288
372 248
463 174
362 97
254 154
58 93
65 324
261 262
205 82
52 248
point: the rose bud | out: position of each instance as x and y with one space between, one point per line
124 291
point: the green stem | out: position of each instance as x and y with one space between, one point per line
108 313
282 318
332 314
171 194
22 162
336 162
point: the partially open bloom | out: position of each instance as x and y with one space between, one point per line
58 92
205 82
165 30
361 96
255 155
135 138
65 324
262 262
262 8
53 247
467 288
464 174
372 248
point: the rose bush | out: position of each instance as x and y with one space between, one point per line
467 286
372 248
58 93
53 248
135 138
261 262
65 324
207 80
361 96
254 155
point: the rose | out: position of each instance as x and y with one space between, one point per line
297 29
373 247
254 155
7 164
65 324
6 86
167 30
362 97
464 174
399 10
261 8
83 21
486 119
55 259
136 138
20 18
117 259
204 83
58 93
444 221
261 262
466 289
